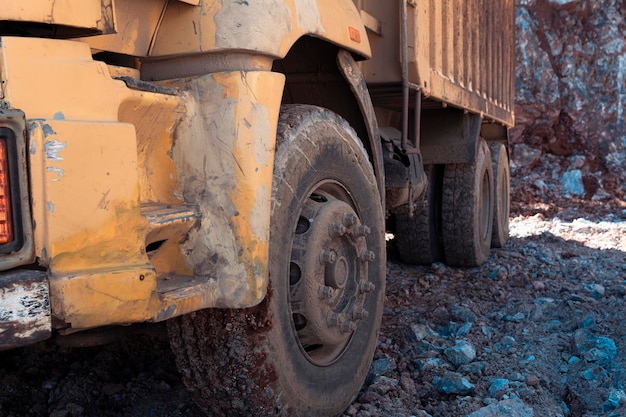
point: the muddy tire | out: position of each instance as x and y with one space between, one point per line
467 209
418 238
502 186
306 349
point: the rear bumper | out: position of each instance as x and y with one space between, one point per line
24 308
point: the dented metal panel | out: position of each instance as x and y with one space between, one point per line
227 140
460 52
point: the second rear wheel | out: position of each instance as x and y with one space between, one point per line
467 209
418 236
502 199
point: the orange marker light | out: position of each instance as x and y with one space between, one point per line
6 227
355 35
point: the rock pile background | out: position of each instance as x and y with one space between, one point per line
571 96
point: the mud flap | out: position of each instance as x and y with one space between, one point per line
24 308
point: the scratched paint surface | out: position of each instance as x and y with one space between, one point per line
86 221
235 157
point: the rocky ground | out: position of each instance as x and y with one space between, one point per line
536 331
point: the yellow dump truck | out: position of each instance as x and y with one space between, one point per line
233 166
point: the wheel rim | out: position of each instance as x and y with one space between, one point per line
328 274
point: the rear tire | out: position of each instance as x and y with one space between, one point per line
306 349
502 186
418 238
467 209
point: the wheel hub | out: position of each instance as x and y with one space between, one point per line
328 276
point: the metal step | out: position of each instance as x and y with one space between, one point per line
168 221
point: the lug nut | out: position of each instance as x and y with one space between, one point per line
361 230
332 319
348 326
367 256
366 286
338 230
359 313
349 219
328 256
325 292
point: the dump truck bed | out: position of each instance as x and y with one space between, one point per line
460 52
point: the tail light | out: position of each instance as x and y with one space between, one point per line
16 225
11 236
6 222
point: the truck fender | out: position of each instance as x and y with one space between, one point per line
169 31
355 79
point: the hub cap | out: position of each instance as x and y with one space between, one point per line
328 275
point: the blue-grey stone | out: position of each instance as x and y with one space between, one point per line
473 368
505 408
517 318
377 368
583 341
593 373
431 363
598 291
572 183
416 333
498 387
464 329
463 314
461 353
508 342
553 325
587 323
453 384
448 330
565 408
423 347
382 384
613 401
606 345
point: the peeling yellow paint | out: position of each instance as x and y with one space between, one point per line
99 210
